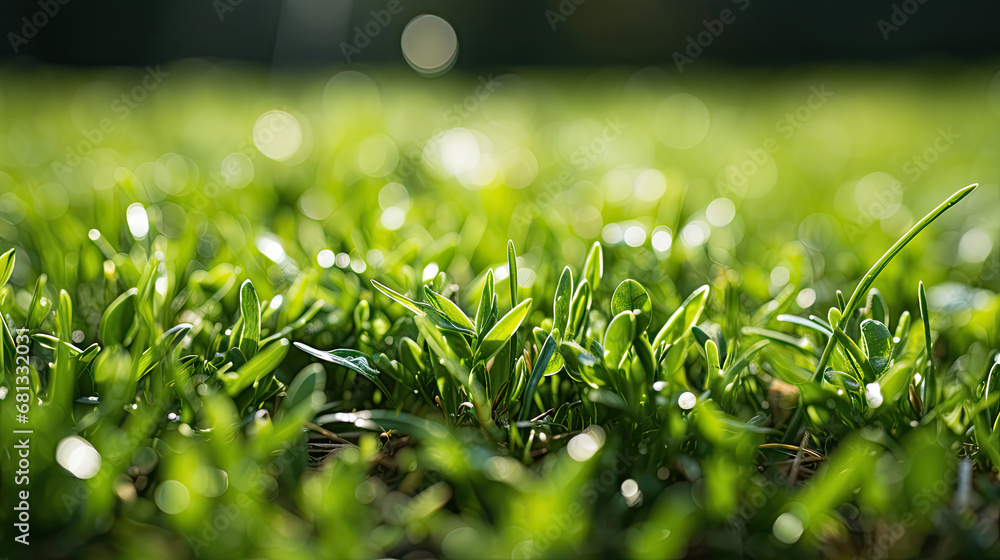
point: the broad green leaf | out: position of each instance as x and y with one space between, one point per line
500 334
6 266
541 363
855 352
680 323
876 341
412 356
893 383
580 309
353 360
930 378
712 357
512 270
250 308
593 267
118 318
618 338
264 363
631 296
562 300
450 310
555 364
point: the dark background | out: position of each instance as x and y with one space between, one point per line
291 33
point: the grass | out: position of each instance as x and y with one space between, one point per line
283 368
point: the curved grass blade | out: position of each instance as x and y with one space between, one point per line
541 364
680 323
866 282
797 342
6 266
400 298
353 360
118 318
807 323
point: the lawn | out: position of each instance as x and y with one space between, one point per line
547 314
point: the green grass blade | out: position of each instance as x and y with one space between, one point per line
541 364
686 316
400 298
500 334
250 307
593 267
561 301
6 266
512 269
930 380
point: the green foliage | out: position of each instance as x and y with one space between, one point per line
567 399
